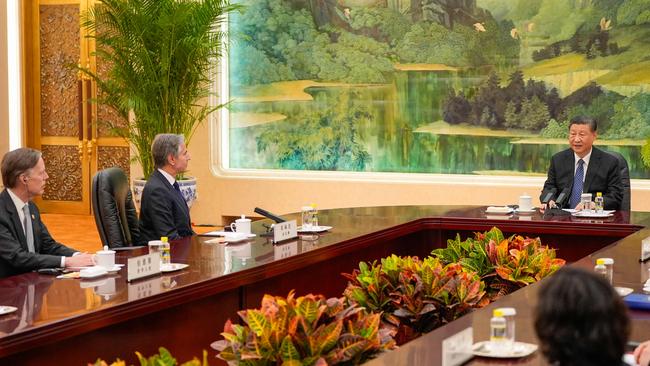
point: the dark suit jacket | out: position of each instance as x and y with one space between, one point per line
14 256
163 212
603 175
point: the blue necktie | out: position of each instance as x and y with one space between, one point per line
177 188
578 181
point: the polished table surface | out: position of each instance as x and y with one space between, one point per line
55 313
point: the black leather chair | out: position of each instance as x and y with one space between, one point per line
625 179
115 214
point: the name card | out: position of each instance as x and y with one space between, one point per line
457 349
645 249
143 266
284 231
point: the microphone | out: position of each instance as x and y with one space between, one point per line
548 196
562 197
269 215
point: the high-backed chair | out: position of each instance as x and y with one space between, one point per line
625 180
115 215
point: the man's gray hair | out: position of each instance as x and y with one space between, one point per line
163 145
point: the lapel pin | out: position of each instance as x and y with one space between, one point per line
33 218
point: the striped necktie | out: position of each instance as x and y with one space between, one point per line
578 181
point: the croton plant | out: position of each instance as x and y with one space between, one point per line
307 330
420 295
504 264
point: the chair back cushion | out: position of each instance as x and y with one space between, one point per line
115 214
625 180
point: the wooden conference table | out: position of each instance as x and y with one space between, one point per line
74 322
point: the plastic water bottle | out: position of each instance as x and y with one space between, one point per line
600 203
498 332
609 265
509 315
307 213
601 269
166 256
314 216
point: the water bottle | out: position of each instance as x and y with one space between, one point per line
600 203
609 265
601 269
498 332
509 315
314 216
166 257
307 218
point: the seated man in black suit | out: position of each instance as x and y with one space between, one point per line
25 243
163 211
583 168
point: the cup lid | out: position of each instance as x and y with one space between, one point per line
105 252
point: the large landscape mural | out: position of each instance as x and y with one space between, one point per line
435 86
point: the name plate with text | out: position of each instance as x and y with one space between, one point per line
284 231
143 266
457 349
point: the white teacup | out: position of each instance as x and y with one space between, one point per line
105 258
242 225
155 246
525 202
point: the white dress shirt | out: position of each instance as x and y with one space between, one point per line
171 179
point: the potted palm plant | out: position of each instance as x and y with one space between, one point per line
160 54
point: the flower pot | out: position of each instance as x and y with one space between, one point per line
187 186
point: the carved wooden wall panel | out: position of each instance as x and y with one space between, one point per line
64 168
110 156
59 46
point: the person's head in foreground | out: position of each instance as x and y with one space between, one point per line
581 320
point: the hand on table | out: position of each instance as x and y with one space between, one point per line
80 260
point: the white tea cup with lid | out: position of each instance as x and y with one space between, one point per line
105 258
525 202
241 225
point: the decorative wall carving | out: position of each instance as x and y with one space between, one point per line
64 168
60 48
110 156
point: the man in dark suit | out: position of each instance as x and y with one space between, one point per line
25 243
163 211
583 169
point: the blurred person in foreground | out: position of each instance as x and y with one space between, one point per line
581 320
